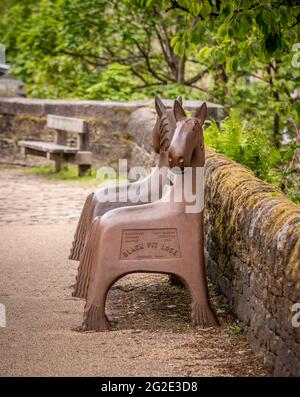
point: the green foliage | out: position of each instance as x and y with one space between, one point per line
245 144
235 329
69 173
287 176
113 84
93 49
252 28
247 46
250 146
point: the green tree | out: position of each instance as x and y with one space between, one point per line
78 47
249 44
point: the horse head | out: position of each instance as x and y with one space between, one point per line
164 127
187 145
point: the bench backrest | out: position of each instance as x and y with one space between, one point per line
69 124
66 124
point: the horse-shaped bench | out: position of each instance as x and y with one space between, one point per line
161 135
159 237
152 186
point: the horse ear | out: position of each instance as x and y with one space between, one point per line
201 113
159 106
179 112
179 99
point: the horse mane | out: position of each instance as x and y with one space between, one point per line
161 137
164 133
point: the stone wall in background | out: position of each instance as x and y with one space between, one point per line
115 127
253 257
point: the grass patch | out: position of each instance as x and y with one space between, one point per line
68 173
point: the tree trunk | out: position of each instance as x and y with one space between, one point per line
181 69
296 157
276 130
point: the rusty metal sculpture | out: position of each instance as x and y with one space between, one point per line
88 230
161 135
158 237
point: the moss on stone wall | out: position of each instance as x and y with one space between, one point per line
31 118
253 246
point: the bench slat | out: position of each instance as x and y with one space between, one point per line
70 124
48 147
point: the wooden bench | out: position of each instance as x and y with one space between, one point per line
59 151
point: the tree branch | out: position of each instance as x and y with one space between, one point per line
197 77
148 63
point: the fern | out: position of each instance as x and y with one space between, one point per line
247 145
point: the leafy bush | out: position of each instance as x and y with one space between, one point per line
251 146
247 145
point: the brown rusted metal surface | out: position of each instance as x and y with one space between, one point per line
159 237
88 228
161 135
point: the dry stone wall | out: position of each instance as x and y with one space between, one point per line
114 127
253 256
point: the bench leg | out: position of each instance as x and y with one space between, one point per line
58 165
84 169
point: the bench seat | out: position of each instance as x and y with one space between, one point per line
48 147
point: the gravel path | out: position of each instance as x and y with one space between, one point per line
31 200
151 334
